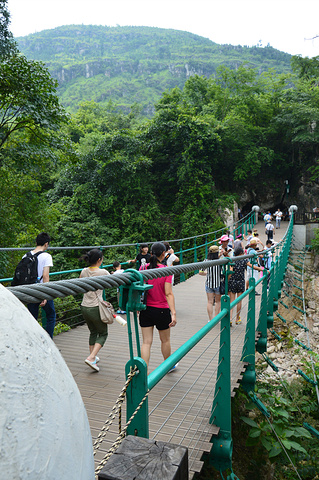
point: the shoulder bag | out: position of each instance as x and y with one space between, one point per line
106 309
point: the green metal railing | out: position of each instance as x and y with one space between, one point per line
188 249
132 285
221 452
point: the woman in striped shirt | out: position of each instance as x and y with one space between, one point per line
213 280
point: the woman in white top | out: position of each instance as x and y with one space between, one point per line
90 307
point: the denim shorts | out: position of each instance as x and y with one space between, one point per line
212 290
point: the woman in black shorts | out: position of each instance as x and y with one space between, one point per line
160 307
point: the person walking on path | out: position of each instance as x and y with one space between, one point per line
90 307
117 271
44 264
278 215
252 270
270 230
143 257
236 283
213 281
267 218
170 256
225 250
160 307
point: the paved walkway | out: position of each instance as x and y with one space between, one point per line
180 405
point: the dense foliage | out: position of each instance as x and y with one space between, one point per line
135 64
108 177
102 176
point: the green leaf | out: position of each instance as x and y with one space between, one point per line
266 444
295 446
302 432
274 451
281 412
249 421
254 433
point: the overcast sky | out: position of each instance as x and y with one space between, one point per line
287 25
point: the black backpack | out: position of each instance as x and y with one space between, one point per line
27 270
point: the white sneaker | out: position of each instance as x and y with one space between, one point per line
173 368
97 359
93 365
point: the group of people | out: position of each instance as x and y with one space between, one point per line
160 304
215 278
160 309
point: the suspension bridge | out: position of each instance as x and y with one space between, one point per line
191 406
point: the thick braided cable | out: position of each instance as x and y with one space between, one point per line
37 292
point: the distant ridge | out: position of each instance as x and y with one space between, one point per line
128 65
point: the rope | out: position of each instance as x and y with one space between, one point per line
120 437
122 245
37 292
114 411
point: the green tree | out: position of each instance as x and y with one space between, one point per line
7 44
27 99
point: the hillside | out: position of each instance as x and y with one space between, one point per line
134 64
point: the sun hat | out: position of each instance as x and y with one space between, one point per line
213 249
253 241
224 238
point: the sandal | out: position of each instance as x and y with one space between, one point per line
238 321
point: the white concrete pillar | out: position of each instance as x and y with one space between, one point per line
44 430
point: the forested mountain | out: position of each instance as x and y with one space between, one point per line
101 175
128 65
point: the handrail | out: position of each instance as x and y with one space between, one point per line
87 247
221 408
248 219
142 383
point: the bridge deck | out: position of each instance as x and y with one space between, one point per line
182 417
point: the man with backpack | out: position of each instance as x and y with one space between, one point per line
35 268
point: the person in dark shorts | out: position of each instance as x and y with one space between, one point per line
160 307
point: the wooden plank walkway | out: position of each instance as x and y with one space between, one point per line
180 405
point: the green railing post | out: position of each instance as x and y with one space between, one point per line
182 275
130 300
270 298
248 353
195 254
135 392
261 345
275 292
221 453
206 246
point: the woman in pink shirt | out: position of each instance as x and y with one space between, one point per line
160 307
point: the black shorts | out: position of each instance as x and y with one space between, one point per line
158 317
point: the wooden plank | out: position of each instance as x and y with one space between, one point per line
194 378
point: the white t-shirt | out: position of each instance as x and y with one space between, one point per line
44 260
171 259
269 226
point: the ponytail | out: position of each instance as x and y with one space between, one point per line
153 262
92 256
157 249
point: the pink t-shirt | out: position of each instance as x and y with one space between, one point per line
156 296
